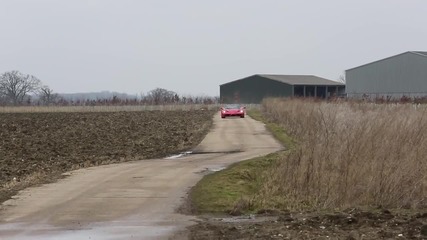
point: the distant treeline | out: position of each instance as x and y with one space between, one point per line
17 89
142 100
155 97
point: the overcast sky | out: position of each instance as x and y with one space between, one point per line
193 46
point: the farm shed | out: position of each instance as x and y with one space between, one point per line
254 88
397 76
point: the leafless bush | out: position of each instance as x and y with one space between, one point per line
47 96
161 96
349 154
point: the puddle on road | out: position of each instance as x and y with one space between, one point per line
210 170
23 231
252 218
183 154
215 169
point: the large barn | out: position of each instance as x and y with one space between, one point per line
254 88
401 75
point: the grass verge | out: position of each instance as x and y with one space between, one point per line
276 130
234 189
231 190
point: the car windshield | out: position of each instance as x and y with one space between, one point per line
232 107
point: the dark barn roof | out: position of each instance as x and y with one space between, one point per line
296 80
301 80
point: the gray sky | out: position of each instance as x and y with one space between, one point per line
193 46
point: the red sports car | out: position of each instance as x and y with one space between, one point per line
232 110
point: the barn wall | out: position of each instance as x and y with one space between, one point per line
253 89
398 75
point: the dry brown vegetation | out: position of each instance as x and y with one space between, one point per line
348 155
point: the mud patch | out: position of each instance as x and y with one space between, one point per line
352 225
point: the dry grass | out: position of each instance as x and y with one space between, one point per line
348 155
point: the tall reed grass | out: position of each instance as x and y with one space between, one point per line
348 154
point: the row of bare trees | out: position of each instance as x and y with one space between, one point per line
19 89
158 96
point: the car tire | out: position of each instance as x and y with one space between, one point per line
243 116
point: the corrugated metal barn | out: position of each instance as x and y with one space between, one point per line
255 88
401 75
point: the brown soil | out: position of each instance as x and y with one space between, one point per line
352 225
39 147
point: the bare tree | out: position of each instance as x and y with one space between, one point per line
14 86
3 99
341 78
47 96
161 96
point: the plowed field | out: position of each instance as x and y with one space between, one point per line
38 147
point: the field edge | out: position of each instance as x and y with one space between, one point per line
37 178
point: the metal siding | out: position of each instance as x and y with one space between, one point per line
405 73
253 89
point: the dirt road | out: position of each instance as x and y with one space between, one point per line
136 200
